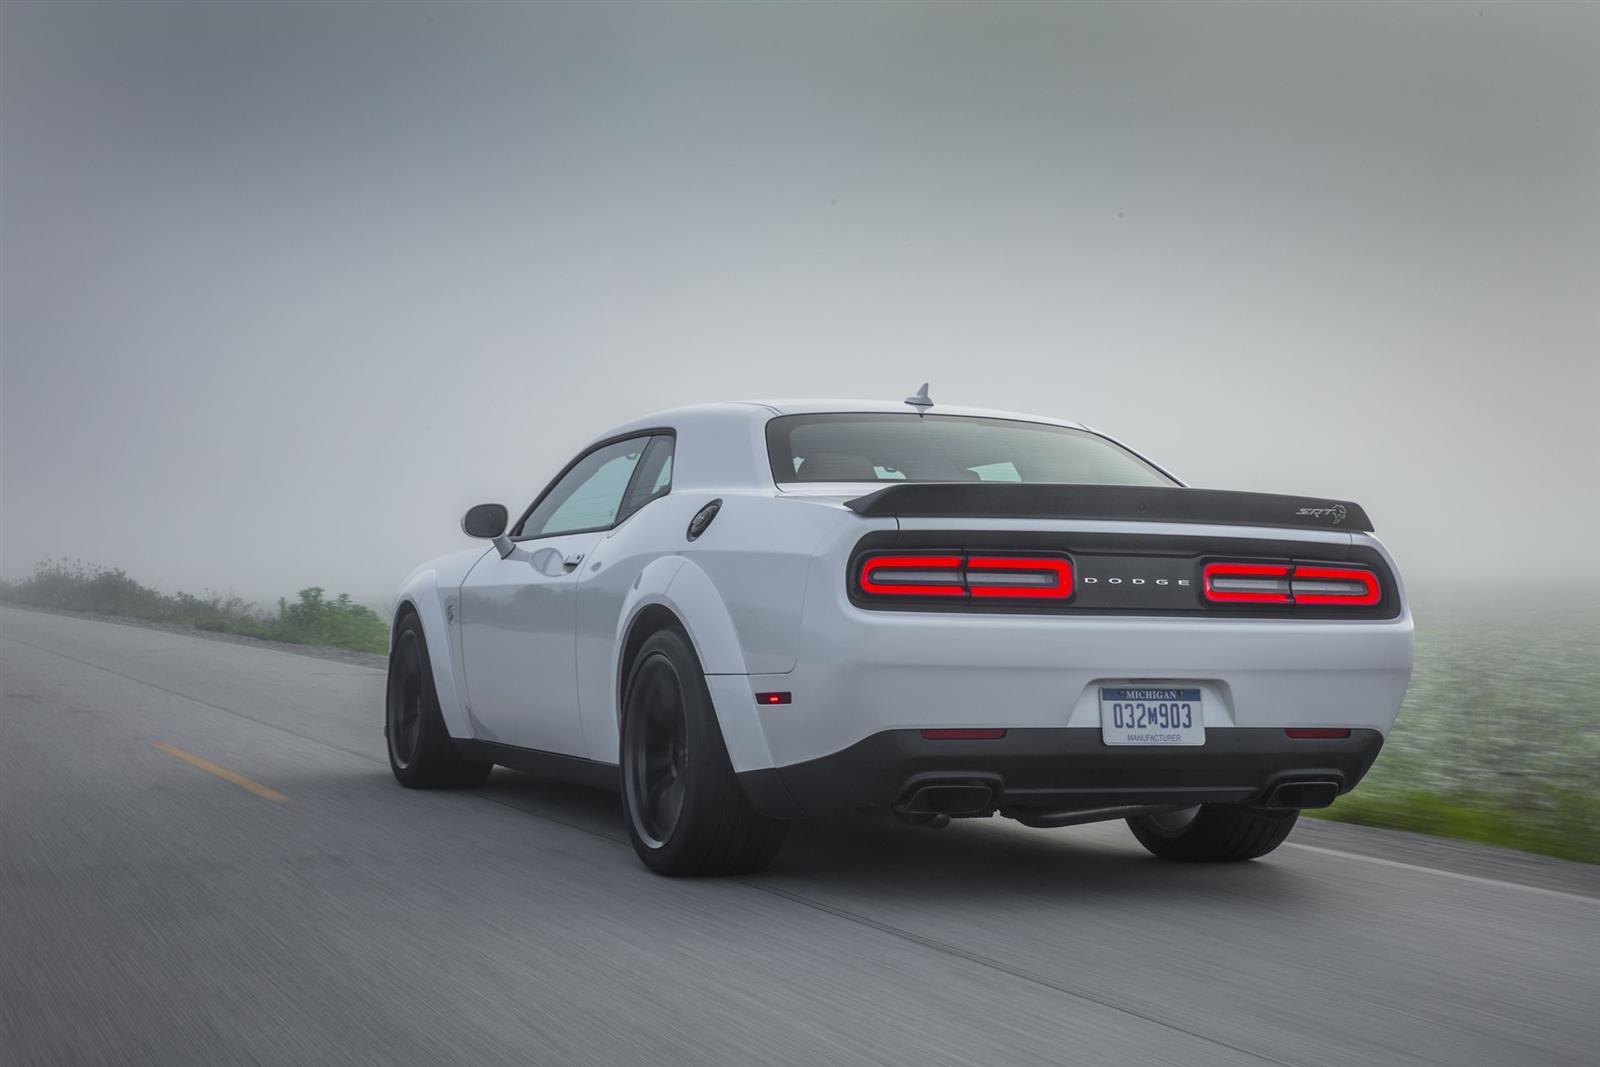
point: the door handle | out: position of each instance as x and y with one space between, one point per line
572 561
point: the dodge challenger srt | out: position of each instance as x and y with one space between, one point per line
739 615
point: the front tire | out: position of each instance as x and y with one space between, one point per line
421 753
1213 834
685 810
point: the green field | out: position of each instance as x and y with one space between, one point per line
1499 738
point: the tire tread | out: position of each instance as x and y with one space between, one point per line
722 834
437 764
1218 835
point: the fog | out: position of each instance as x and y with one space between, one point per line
284 288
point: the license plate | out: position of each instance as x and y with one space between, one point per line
1157 715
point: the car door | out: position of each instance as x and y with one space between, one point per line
518 612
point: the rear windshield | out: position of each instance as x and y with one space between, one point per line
889 447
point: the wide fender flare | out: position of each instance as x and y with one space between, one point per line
678 585
421 592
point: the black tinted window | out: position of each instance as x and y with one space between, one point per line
886 447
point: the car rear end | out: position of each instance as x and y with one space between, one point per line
1065 653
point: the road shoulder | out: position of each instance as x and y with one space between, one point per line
1446 854
375 660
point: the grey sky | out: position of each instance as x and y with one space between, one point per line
285 287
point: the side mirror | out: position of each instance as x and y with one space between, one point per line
487 521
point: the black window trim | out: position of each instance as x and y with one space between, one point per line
633 481
774 465
643 436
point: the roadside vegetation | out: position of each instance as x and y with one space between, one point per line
313 619
1499 738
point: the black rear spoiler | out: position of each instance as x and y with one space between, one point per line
1003 500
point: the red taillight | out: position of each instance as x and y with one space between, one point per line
1317 733
1246 583
967 577
1285 583
1353 586
1044 577
773 698
912 576
962 733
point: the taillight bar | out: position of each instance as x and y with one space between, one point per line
922 574
1246 583
1356 587
1046 577
1290 583
913 576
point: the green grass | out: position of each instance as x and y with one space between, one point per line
1499 737
1562 826
311 620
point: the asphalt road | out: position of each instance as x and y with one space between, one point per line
309 910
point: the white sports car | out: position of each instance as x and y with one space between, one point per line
745 614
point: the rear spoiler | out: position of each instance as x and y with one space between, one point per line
1010 500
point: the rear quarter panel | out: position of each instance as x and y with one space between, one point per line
739 590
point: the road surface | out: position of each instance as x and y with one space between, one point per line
204 859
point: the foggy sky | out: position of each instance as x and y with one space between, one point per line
285 288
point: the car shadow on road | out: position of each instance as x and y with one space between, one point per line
877 855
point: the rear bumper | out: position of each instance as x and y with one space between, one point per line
863 673
1061 768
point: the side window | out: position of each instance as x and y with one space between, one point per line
654 478
589 496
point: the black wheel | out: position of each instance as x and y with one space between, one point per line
1212 834
685 810
421 753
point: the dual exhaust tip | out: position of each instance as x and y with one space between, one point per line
974 797
967 797
1303 793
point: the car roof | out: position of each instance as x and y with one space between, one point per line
762 410
815 407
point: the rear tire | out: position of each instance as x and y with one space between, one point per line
421 753
685 810
1213 834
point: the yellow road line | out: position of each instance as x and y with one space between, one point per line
222 772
